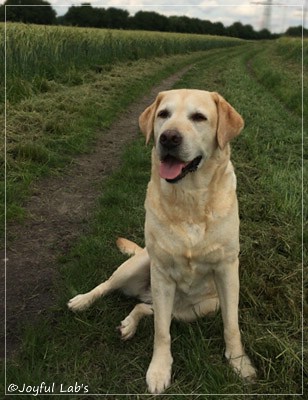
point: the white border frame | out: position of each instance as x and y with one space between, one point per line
302 6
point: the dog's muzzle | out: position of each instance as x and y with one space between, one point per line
172 168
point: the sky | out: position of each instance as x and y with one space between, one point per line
281 14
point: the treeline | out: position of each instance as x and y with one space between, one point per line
113 18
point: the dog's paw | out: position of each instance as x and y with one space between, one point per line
80 302
127 328
243 367
158 377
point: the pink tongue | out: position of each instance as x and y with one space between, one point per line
170 168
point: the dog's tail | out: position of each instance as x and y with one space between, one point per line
127 247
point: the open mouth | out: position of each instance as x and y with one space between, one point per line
172 169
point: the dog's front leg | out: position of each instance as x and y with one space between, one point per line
227 282
163 291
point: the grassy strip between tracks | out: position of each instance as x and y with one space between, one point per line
278 66
84 348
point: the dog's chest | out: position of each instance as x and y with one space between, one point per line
194 234
187 251
193 243
188 272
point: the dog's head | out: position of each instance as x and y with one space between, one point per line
188 126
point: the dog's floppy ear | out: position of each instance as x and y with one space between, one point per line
230 123
146 119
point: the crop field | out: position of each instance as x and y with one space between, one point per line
36 55
51 123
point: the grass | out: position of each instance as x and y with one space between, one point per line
67 348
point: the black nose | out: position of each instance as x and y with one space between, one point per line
170 139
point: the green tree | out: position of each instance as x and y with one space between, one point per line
235 29
296 31
219 29
84 15
247 32
180 24
149 21
116 18
29 11
264 34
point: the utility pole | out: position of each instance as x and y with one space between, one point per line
266 21
267 15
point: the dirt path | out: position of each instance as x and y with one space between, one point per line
58 212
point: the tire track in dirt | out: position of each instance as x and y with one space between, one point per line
58 211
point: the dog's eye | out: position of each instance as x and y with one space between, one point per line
163 114
198 117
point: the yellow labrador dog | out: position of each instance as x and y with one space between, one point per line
190 264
